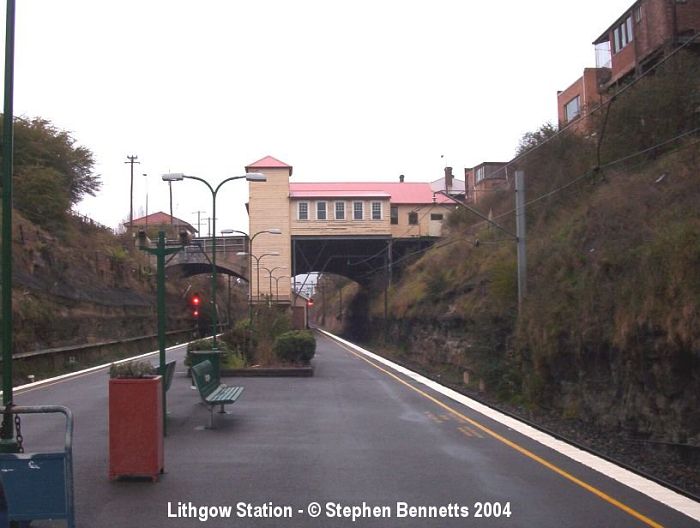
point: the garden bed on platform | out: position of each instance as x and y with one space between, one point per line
269 372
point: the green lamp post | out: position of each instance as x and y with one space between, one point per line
8 443
160 251
178 176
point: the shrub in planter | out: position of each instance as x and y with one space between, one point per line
205 344
132 369
297 346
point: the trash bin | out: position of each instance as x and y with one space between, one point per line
214 356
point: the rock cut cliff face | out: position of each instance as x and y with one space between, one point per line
86 285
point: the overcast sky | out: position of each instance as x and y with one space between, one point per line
360 90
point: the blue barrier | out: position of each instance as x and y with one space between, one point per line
39 486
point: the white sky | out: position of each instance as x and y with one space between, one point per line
341 90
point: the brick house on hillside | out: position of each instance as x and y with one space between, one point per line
645 33
485 178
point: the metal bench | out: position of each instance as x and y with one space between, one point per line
211 391
168 374
38 486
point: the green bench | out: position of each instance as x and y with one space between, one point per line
211 391
168 374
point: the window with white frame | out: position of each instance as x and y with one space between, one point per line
303 211
340 210
480 174
358 210
622 35
376 210
638 13
321 211
573 108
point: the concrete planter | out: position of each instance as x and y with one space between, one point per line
135 427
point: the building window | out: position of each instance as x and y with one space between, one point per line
638 13
622 35
413 218
395 214
340 210
320 210
303 211
435 216
573 108
480 174
376 210
357 210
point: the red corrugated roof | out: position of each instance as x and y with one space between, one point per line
400 193
268 162
161 218
339 194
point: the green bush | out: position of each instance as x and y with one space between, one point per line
132 369
297 346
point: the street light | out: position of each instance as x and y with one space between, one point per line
257 266
271 231
179 176
270 271
277 285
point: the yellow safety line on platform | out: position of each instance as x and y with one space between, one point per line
600 494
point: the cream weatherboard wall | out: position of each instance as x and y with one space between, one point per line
332 227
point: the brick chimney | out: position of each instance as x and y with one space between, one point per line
401 178
448 178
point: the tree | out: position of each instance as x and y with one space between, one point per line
531 140
51 173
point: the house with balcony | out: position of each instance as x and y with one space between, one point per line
484 179
638 39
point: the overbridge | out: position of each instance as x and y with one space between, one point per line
355 229
195 258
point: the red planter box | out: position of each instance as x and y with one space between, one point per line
135 427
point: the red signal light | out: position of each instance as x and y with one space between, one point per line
310 303
195 313
196 300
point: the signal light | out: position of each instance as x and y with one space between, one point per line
196 300
309 303
195 313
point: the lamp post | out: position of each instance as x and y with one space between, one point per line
257 265
160 251
270 231
8 444
270 272
277 285
251 177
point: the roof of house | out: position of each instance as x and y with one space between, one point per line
605 36
161 218
399 193
268 162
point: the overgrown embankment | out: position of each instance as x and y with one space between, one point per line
608 337
75 282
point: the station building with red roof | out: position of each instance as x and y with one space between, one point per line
349 216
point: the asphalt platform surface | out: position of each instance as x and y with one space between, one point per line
354 440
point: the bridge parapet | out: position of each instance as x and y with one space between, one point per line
196 257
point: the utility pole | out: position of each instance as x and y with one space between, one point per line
146 176
132 160
199 221
170 187
520 234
